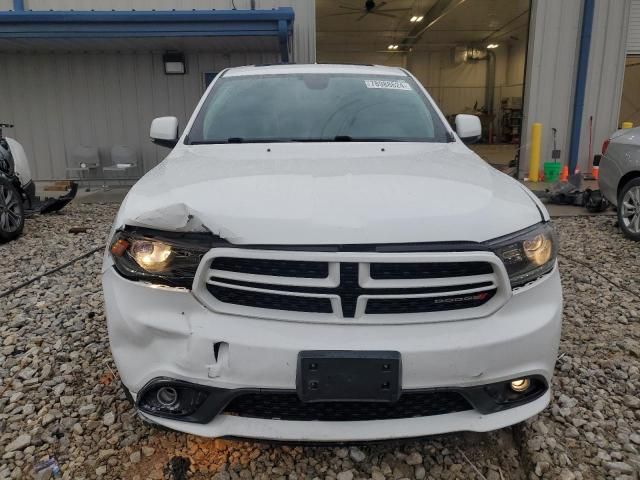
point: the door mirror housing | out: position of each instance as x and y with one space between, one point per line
164 131
468 128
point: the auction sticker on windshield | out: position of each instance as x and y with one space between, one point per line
388 84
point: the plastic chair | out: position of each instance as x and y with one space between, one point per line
123 159
85 159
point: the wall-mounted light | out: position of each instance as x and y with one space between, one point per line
473 54
493 45
416 18
392 47
174 63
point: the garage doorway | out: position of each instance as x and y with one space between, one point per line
630 104
469 54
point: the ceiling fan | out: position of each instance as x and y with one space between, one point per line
370 8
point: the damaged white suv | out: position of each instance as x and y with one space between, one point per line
321 258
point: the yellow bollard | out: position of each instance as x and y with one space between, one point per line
534 153
627 125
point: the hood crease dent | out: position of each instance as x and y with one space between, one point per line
331 193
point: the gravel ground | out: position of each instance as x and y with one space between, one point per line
59 398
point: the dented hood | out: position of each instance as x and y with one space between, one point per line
330 193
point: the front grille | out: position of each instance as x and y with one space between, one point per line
276 268
284 284
271 301
403 271
287 406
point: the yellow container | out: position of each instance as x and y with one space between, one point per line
627 125
534 152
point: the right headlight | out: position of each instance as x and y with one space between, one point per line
528 254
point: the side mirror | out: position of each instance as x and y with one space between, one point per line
164 131
468 128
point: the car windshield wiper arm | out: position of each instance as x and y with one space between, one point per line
348 138
240 140
337 138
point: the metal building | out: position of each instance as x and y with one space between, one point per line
73 76
555 85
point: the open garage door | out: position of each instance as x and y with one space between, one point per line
630 104
469 54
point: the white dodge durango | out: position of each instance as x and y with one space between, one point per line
321 258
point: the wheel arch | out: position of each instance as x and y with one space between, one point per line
627 177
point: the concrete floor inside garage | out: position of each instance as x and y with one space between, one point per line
60 397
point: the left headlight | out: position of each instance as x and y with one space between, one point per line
527 255
160 260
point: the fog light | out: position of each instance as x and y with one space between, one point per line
520 385
167 396
171 398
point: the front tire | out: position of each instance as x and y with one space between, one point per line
11 211
629 209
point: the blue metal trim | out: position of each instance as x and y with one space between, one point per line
581 83
133 24
93 16
283 37
18 5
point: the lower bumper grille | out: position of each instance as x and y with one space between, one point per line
287 406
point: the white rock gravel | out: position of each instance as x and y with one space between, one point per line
58 397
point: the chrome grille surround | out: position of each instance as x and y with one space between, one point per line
496 282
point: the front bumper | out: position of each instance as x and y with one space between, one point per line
161 332
300 431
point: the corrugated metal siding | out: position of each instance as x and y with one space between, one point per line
304 25
551 70
633 37
551 64
604 78
60 101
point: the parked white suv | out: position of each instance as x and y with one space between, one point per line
321 258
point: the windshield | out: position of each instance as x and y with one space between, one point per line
316 108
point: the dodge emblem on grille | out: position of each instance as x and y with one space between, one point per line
465 298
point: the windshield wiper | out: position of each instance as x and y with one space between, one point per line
337 138
239 140
347 138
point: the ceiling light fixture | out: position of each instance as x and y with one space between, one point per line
493 45
416 18
392 47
